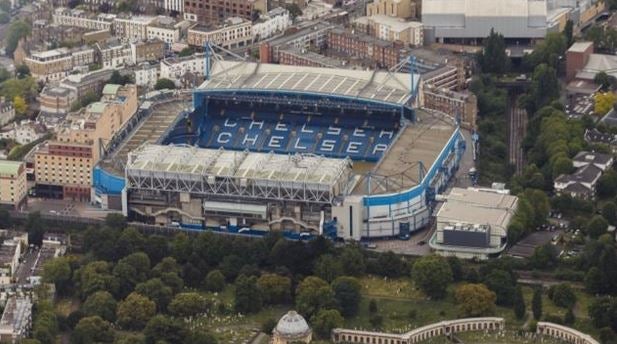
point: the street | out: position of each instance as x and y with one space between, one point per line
26 266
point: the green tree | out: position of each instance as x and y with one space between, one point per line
92 330
35 228
352 260
215 281
17 30
594 281
100 304
347 295
597 226
562 295
188 51
544 257
274 288
58 271
134 312
569 318
96 276
503 284
433 275
119 79
328 268
609 212
4 18
157 291
568 32
248 297
544 87
22 71
162 328
536 303
188 304
164 83
605 81
474 300
607 184
325 320
519 303
493 58
5 6
312 295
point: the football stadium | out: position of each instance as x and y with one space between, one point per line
303 150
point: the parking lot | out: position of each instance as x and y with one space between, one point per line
65 208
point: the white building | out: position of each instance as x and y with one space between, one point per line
175 68
146 74
174 5
473 223
134 28
113 54
235 32
16 319
165 29
80 18
23 133
393 29
276 20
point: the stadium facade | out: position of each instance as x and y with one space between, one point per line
299 149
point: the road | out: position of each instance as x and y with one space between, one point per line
517 127
26 266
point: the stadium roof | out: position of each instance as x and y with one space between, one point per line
193 161
381 86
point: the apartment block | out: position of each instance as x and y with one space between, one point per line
113 53
82 84
56 100
393 8
379 53
461 105
63 166
56 64
212 11
80 18
175 68
133 28
392 29
150 50
235 32
311 36
16 321
13 186
276 20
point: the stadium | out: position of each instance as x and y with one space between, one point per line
303 150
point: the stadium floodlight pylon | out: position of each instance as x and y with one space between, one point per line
211 51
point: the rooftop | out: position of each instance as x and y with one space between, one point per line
396 24
380 86
9 167
579 47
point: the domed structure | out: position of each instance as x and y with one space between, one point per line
291 328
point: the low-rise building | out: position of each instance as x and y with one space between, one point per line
13 185
164 29
392 29
393 8
207 11
146 74
473 223
10 251
133 28
276 20
16 320
150 50
7 112
63 166
113 53
582 183
56 64
463 106
234 32
23 132
80 18
174 68
377 52
91 82
313 35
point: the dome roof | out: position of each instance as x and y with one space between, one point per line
292 324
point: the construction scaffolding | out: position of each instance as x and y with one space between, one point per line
259 176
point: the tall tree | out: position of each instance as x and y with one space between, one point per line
568 32
474 300
519 303
347 294
433 275
312 295
134 312
92 330
100 304
536 303
325 320
493 58
247 295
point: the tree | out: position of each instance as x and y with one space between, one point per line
325 320
605 81
294 11
328 268
247 295
58 271
134 312
22 71
131 270
101 304
544 87
432 274
5 219
603 102
594 281
188 51
17 30
157 291
114 220
274 288
607 184
474 300
519 303
353 261
597 226
456 267
20 105
609 212
390 265
347 295
312 295
569 318
162 328
536 303
35 228
119 79
4 18
503 284
92 330
562 295
215 281
568 32
493 58
188 305
544 257
96 276
164 83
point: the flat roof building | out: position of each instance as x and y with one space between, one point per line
16 319
13 185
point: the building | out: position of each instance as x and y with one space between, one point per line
393 8
297 57
23 132
82 84
212 11
56 64
470 21
174 5
311 36
235 32
146 74
582 183
577 57
164 29
275 21
10 251
13 186
174 68
473 223
113 54
7 112
82 19
461 105
16 320
291 328
392 29
63 166
150 50
133 28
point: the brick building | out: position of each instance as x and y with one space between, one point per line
381 53
212 11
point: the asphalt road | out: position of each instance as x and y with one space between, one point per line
27 265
